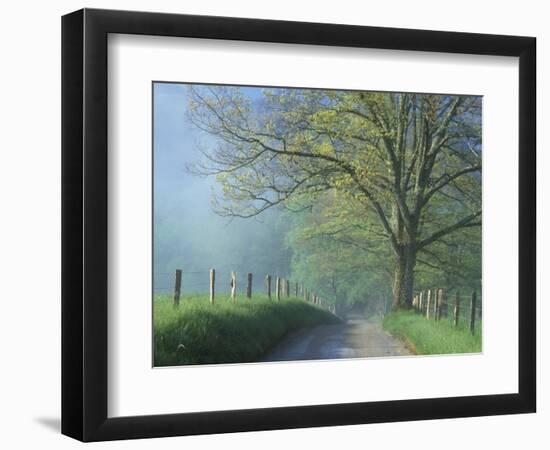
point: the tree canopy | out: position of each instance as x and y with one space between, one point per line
377 183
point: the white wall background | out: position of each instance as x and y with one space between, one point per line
30 221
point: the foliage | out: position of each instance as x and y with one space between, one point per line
334 256
200 333
429 337
396 176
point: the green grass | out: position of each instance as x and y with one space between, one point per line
428 337
200 333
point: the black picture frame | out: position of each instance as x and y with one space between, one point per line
84 224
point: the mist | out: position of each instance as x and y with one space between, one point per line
188 234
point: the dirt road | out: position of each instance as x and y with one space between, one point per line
354 338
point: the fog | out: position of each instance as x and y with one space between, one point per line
188 235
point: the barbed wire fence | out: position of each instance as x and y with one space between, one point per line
211 281
437 304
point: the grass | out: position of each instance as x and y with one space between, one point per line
428 337
200 333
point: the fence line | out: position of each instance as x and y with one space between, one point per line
283 288
434 304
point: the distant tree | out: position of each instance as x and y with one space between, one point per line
334 250
410 161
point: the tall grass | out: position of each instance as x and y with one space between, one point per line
430 337
200 333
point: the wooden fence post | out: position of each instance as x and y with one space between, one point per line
428 295
278 288
428 304
473 312
457 309
268 285
249 285
440 303
177 288
233 285
436 304
212 285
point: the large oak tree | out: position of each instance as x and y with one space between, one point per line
410 164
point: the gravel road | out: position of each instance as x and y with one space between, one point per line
354 338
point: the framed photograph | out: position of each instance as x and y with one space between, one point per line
273 224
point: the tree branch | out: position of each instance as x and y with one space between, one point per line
446 179
465 222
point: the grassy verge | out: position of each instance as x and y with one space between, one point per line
226 332
429 337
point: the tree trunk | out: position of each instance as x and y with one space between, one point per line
404 277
